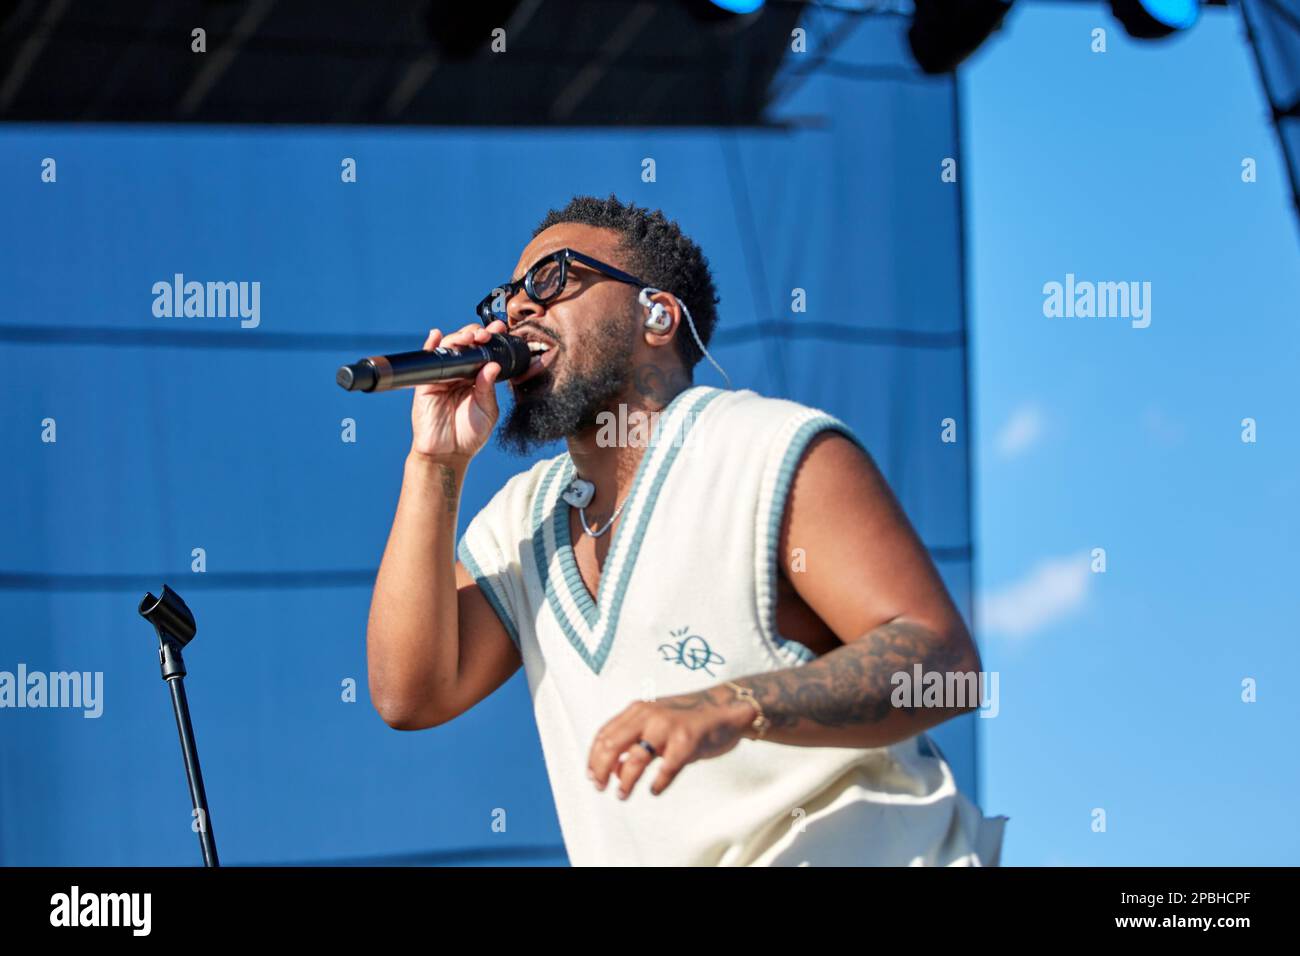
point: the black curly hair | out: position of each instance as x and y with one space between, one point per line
658 252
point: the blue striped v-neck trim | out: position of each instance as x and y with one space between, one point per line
553 542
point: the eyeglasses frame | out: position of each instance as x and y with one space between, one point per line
563 257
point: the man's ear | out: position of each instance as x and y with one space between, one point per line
661 319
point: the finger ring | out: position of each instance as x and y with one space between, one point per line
649 747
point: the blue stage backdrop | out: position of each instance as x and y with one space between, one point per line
174 434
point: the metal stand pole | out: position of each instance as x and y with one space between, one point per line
175 626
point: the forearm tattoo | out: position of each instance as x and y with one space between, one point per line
851 685
447 475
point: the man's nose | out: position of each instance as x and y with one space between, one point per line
520 308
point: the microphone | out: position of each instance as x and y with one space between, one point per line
379 373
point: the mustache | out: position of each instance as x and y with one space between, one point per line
549 332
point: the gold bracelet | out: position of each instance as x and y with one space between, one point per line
761 723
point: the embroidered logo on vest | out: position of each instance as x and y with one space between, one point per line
692 652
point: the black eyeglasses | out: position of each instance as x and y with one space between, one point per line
543 281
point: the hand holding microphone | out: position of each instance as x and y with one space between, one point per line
454 407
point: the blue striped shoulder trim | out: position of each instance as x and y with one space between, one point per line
489 586
794 451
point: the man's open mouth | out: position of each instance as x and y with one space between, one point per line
544 356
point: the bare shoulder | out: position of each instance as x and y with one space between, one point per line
848 548
837 486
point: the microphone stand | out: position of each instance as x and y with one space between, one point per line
175 625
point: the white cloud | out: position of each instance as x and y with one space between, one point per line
1021 431
1051 591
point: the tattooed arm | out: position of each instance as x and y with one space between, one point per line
850 696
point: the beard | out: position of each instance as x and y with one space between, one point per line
545 411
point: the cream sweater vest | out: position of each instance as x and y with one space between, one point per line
687 600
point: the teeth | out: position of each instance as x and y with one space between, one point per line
538 347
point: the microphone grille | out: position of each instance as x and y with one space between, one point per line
512 354
358 377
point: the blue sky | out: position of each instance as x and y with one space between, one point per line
1118 691
1123 690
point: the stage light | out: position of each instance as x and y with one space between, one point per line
1153 19
723 11
943 34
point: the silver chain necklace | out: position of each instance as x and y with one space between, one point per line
582 516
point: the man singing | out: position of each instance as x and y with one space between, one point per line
714 594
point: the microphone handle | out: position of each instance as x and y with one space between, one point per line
405 369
